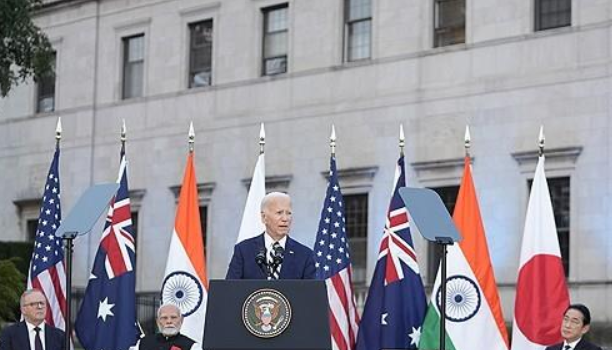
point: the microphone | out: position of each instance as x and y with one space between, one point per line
278 255
260 258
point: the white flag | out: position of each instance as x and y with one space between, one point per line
251 224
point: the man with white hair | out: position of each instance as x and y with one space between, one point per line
272 254
169 321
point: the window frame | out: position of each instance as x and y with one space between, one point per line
49 80
266 11
349 24
439 31
539 14
191 71
125 42
364 198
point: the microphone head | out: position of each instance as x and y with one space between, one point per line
278 255
260 258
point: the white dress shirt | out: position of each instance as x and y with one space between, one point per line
572 344
32 334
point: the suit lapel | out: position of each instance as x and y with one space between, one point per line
288 266
581 345
24 339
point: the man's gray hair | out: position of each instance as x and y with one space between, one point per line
28 292
272 195
170 305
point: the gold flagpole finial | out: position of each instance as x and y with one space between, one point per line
541 140
332 140
191 137
262 138
402 139
467 141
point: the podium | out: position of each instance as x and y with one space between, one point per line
262 314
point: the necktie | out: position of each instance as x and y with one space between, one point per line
567 347
37 341
275 269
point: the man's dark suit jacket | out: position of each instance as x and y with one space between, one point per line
15 337
582 345
298 260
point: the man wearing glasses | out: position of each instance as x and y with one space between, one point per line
32 333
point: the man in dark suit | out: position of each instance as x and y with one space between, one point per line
273 254
32 333
169 322
576 323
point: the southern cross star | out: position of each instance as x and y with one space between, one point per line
104 309
415 336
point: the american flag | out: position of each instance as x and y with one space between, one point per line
107 317
333 264
47 271
394 311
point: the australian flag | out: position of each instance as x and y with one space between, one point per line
396 304
107 318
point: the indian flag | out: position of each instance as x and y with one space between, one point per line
185 282
473 312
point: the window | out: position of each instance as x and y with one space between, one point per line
31 227
29 210
559 188
133 66
449 22
204 199
449 198
203 221
45 90
552 14
358 19
135 226
356 214
200 53
275 40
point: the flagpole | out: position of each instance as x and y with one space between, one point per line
191 137
262 139
68 249
402 140
123 135
541 140
332 141
467 141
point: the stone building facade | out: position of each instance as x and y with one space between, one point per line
504 67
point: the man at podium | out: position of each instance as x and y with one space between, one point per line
272 254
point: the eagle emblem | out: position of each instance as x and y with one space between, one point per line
266 313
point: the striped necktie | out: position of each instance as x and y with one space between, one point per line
275 269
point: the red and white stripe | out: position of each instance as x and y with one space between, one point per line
52 282
116 242
343 315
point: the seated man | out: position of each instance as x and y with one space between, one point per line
258 257
32 333
169 322
576 323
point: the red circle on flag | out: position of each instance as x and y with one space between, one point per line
541 299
